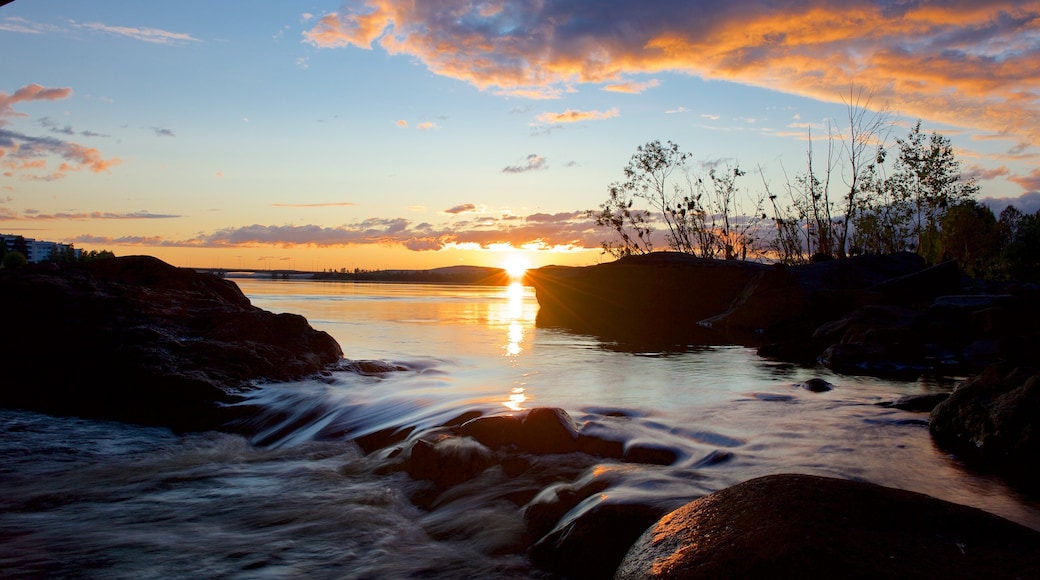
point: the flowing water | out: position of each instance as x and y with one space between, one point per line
85 498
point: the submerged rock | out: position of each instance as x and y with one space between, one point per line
137 340
816 385
916 403
800 526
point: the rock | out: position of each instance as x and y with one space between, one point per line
993 420
448 462
656 298
541 430
917 403
594 543
816 385
698 301
919 287
137 340
771 299
800 526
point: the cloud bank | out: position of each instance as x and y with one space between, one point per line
568 230
962 62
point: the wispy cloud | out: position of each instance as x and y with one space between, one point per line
462 208
1029 182
533 162
572 116
23 26
27 156
306 205
632 87
35 215
964 63
163 132
144 34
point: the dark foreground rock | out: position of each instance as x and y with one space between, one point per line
993 421
799 526
137 340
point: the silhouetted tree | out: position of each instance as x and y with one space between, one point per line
969 235
14 259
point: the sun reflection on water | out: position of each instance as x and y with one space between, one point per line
519 320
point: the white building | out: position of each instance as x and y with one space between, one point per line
37 251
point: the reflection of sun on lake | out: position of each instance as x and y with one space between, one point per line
516 319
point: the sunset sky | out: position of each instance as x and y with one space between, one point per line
385 134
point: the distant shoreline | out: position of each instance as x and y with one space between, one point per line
451 275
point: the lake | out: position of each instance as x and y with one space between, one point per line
99 499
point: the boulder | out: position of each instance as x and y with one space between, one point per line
137 340
916 403
449 461
993 420
541 430
592 544
800 526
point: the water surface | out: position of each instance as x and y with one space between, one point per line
99 499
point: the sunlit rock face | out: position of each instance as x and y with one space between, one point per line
138 340
799 526
993 420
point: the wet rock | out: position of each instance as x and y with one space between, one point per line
800 526
993 420
816 385
540 430
917 403
135 339
592 544
448 462
649 453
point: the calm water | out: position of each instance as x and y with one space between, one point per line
97 499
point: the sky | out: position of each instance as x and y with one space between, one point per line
382 134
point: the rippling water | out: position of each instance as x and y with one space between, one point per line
97 499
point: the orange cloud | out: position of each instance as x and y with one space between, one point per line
969 64
572 116
632 87
28 93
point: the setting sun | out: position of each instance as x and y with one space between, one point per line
515 266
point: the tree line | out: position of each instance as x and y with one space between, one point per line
859 195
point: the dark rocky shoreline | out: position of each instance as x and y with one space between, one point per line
137 340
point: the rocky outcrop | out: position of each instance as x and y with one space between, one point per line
138 340
993 420
665 296
655 298
799 526
871 315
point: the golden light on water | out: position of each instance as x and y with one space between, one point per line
517 398
513 311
